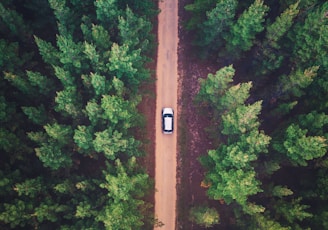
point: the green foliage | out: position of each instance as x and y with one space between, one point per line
45 85
214 86
210 32
107 12
198 9
8 140
125 185
75 104
7 110
61 133
295 82
293 211
119 111
83 137
123 215
231 175
16 213
101 37
125 63
13 21
235 96
248 25
233 185
9 56
263 222
242 120
112 142
99 84
49 53
310 39
301 148
48 210
289 63
134 31
68 102
53 156
253 209
70 52
94 112
269 55
84 210
37 115
204 216
63 15
280 26
284 108
280 191
30 187
64 76
124 188
91 53
20 82
314 122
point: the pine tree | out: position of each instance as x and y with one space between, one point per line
70 52
198 9
310 39
83 137
214 86
53 156
17 213
108 12
293 211
30 187
270 56
49 53
242 120
217 24
126 64
68 102
134 31
37 115
248 25
111 143
204 216
301 148
45 85
14 22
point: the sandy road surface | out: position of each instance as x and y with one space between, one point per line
166 91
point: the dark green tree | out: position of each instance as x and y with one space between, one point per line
248 25
204 216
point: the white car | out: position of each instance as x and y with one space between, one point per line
167 120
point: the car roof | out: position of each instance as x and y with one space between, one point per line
168 123
167 111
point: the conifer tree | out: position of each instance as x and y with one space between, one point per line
270 56
248 25
299 147
216 26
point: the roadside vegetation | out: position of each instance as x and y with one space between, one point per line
70 77
268 108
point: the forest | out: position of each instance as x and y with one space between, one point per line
70 82
267 103
70 85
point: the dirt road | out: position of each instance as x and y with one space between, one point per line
166 91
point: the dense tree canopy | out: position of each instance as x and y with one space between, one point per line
270 126
70 74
